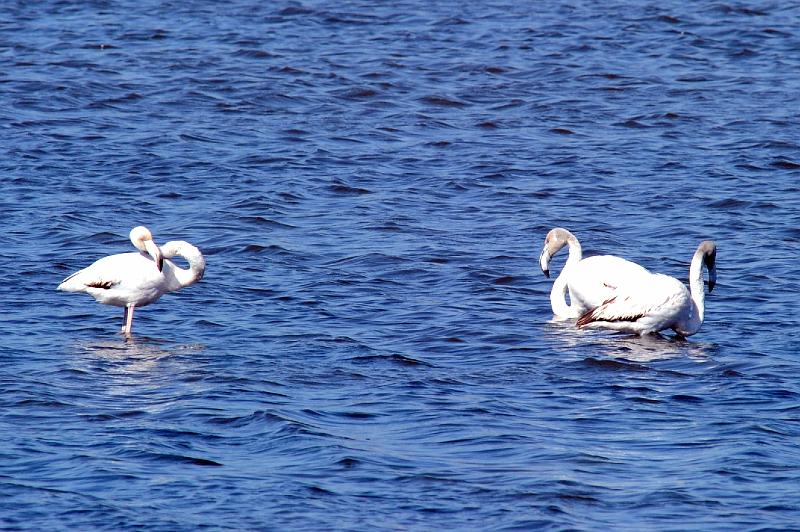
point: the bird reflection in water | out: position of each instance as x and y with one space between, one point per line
647 348
133 355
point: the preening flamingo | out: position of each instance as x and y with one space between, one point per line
131 280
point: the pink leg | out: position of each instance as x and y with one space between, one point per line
128 325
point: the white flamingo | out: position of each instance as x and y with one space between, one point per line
133 280
590 281
655 302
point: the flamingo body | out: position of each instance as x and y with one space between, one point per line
655 302
120 280
594 279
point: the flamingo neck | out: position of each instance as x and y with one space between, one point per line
197 264
191 275
558 300
698 293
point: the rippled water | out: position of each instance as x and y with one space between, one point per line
372 344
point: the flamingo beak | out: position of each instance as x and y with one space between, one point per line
711 266
544 262
155 252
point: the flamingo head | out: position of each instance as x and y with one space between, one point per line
555 240
142 239
709 250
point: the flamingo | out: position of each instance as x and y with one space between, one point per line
590 281
656 302
133 280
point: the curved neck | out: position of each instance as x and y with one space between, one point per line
558 300
698 293
191 275
197 264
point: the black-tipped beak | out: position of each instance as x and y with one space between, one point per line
544 262
154 251
710 260
712 278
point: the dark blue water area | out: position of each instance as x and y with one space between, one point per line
372 345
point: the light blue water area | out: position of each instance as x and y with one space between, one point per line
372 345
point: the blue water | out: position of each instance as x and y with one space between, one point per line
372 346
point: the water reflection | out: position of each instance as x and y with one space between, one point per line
132 355
634 348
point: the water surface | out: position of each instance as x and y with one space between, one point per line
372 345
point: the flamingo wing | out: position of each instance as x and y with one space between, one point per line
643 305
103 273
596 279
